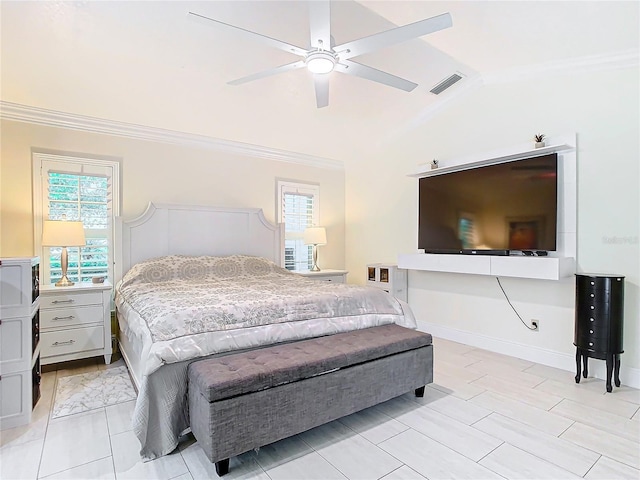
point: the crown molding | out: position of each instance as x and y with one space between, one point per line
51 118
571 66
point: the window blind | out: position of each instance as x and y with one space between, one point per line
73 189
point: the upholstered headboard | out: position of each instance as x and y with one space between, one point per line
196 230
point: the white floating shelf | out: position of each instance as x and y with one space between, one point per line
543 268
491 158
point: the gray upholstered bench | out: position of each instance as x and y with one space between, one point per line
246 400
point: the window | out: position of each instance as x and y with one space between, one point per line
299 206
71 188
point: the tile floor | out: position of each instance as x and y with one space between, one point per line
485 416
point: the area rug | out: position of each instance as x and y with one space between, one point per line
88 391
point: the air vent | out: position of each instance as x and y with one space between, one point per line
446 83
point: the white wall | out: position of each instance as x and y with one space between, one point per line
603 108
160 173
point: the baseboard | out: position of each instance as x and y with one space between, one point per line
629 376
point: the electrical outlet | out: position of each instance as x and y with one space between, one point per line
535 325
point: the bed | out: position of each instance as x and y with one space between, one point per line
196 281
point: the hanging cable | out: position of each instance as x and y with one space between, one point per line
512 307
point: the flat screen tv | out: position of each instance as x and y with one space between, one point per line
495 209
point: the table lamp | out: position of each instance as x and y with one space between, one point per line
315 236
62 233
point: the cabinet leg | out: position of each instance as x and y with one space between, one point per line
609 371
616 371
578 372
585 368
107 359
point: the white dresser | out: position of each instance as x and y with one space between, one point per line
338 276
19 340
75 322
389 278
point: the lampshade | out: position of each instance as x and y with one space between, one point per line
315 236
60 233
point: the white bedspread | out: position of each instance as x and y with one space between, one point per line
178 308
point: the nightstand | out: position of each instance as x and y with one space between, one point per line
75 322
338 276
389 278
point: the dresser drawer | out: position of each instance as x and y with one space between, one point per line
74 340
592 343
600 341
596 329
335 279
71 299
71 317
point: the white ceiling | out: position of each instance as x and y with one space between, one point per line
146 63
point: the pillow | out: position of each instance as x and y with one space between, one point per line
198 269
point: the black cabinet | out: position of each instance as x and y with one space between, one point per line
599 323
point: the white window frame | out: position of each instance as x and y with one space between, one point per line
287 186
73 165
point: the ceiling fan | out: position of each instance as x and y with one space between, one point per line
323 57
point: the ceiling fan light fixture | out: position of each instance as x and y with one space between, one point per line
320 62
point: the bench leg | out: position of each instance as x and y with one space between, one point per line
420 392
222 467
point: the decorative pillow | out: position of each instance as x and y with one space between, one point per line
199 269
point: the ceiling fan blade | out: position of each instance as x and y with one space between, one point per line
320 24
287 47
393 36
352 68
267 73
321 82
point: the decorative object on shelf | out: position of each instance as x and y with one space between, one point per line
599 323
98 279
434 164
63 233
539 139
315 236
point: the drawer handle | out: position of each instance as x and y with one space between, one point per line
60 344
71 300
68 317
591 344
590 331
591 319
592 295
592 307
593 283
